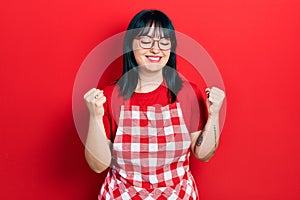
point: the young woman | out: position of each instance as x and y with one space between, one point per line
145 126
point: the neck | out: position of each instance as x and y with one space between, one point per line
149 81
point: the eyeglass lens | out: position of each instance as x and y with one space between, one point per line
148 42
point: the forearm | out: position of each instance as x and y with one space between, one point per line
97 150
208 139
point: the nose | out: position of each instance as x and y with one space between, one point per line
155 47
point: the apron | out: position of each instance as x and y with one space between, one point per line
150 156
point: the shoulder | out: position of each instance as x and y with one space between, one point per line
111 90
190 88
112 94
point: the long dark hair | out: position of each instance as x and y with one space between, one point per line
140 25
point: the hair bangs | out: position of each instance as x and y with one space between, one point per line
158 32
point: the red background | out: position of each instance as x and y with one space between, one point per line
254 43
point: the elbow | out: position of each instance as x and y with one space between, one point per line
97 165
203 156
99 169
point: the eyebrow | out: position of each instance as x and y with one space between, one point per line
150 36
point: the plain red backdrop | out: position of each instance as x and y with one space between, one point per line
255 45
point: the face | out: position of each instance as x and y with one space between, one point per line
152 58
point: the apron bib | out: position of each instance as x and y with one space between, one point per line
150 155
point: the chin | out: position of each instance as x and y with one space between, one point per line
154 67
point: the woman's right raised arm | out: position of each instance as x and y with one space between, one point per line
97 147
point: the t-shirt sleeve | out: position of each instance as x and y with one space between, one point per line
193 106
109 120
202 108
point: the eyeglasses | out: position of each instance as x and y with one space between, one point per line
146 42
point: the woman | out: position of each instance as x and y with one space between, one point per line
145 126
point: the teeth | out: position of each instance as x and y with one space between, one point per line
154 58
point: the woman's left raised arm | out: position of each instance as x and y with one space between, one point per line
206 141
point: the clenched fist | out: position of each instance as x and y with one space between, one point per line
215 100
95 99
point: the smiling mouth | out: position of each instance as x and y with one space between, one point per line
154 58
